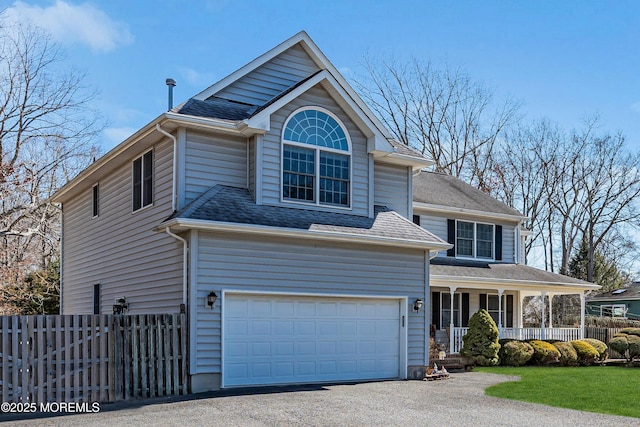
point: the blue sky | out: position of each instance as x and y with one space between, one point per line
563 60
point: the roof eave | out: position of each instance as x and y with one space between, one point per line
450 209
529 285
184 224
403 159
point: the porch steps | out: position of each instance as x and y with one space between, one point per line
455 362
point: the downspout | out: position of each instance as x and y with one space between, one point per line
174 196
185 252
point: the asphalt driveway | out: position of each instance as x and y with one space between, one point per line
459 401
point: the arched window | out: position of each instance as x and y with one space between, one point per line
316 158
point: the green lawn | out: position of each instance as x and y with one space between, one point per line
604 389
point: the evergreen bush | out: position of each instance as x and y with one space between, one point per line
544 353
587 354
568 355
627 342
601 348
481 341
514 353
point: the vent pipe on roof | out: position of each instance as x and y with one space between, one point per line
171 84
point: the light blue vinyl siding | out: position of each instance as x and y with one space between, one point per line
118 249
271 186
211 160
228 262
271 78
391 187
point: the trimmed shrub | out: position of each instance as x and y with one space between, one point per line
544 353
627 344
481 341
630 331
514 353
587 355
601 348
568 355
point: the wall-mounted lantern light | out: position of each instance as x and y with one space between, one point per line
120 306
417 305
211 299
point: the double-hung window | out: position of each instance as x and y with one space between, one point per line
474 240
143 181
316 159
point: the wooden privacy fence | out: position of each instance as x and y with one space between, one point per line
92 358
604 335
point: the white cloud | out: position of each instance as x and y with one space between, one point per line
115 135
74 24
196 78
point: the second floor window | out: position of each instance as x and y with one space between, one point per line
143 181
474 240
316 159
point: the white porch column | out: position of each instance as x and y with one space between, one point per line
452 290
582 309
543 334
500 293
550 310
520 313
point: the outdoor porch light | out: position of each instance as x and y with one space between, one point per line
417 305
211 299
120 306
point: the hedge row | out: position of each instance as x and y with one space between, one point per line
536 352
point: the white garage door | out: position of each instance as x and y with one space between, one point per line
288 339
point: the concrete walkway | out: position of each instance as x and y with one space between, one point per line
459 401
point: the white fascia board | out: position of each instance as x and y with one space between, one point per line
613 301
262 120
528 285
453 210
184 224
402 159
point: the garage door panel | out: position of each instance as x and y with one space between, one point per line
287 339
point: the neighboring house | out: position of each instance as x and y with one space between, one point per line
484 267
275 210
623 302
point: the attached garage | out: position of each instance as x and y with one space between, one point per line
281 339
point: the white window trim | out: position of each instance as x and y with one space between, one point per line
475 241
447 307
317 149
153 198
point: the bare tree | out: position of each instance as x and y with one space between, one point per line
442 112
46 128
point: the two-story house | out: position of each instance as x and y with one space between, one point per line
275 210
484 268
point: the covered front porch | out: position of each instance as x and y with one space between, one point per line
459 290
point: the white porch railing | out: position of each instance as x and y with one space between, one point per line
563 334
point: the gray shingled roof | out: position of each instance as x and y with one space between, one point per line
405 150
216 108
235 205
452 267
631 292
446 190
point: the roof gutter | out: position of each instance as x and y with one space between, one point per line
333 236
449 210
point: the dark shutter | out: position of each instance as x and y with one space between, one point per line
509 311
498 243
95 200
96 298
416 219
451 236
483 301
137 184
147 193
465 309
435 309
